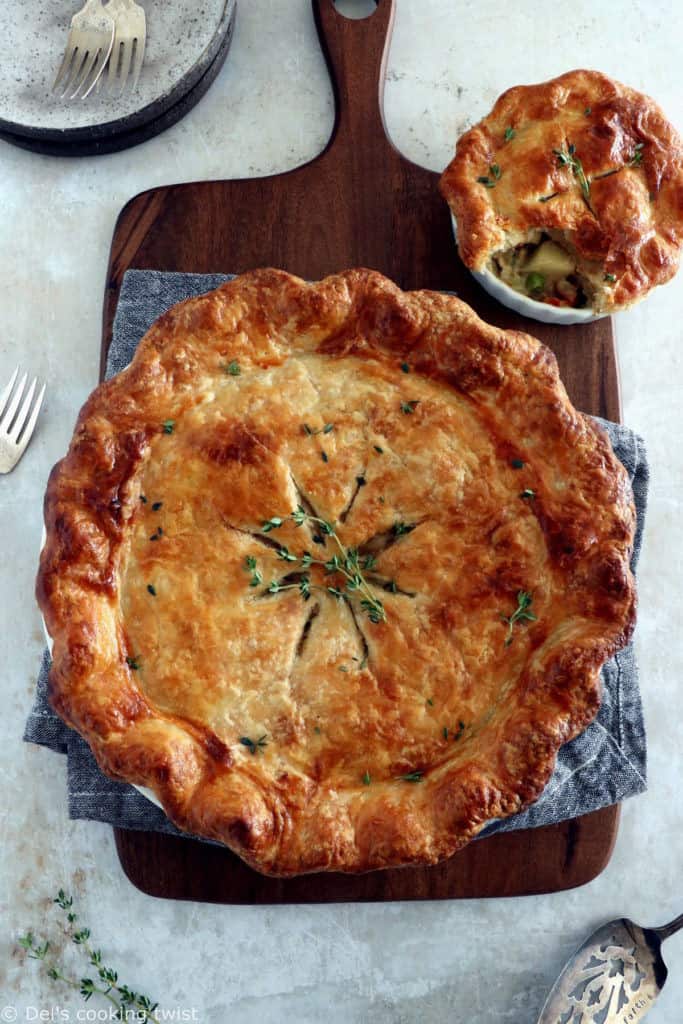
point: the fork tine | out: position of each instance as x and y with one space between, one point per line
74 71
66 63
4 397
6 421
23 412
31 425
84 75
96 70
114 61
126 58
139 58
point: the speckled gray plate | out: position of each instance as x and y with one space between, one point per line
92 144
184 39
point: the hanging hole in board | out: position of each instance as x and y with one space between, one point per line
356 9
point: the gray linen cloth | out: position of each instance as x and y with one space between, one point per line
602 766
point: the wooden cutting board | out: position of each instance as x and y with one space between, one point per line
360 203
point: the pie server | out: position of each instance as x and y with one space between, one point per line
615 976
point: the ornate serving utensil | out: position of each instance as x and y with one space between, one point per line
614 978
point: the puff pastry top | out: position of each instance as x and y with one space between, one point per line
628 230
290 729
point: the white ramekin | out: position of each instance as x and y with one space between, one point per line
525 306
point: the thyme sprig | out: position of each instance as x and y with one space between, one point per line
128 1003
347 563
571 160
520 614
489 180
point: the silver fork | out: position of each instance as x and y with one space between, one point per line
89 44
129 42
16 422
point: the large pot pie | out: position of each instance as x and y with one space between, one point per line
333 569
571 193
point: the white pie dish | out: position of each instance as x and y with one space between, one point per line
525 306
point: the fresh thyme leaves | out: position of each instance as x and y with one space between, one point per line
253 746
391 586
430 702
517 464
151 589
380 451
445 732
637 157
489 181
399 529
313 431
509 133
528 493
610 278
232 369
134 663
587 111
411 777
520 614
158 534
343 668
569 159
461 729
346 562
405 367
251 566
168 426
374 609
324 456
157 505
366 778
129 1005
407 408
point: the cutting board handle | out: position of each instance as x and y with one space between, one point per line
356 53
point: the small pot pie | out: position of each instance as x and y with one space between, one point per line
333 569
570 193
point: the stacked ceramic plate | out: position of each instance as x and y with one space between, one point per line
187 43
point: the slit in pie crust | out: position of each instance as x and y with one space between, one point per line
489 520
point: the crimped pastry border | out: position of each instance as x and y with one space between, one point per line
91 498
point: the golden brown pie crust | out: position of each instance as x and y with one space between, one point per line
347 707
634 226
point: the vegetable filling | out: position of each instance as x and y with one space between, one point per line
545 271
